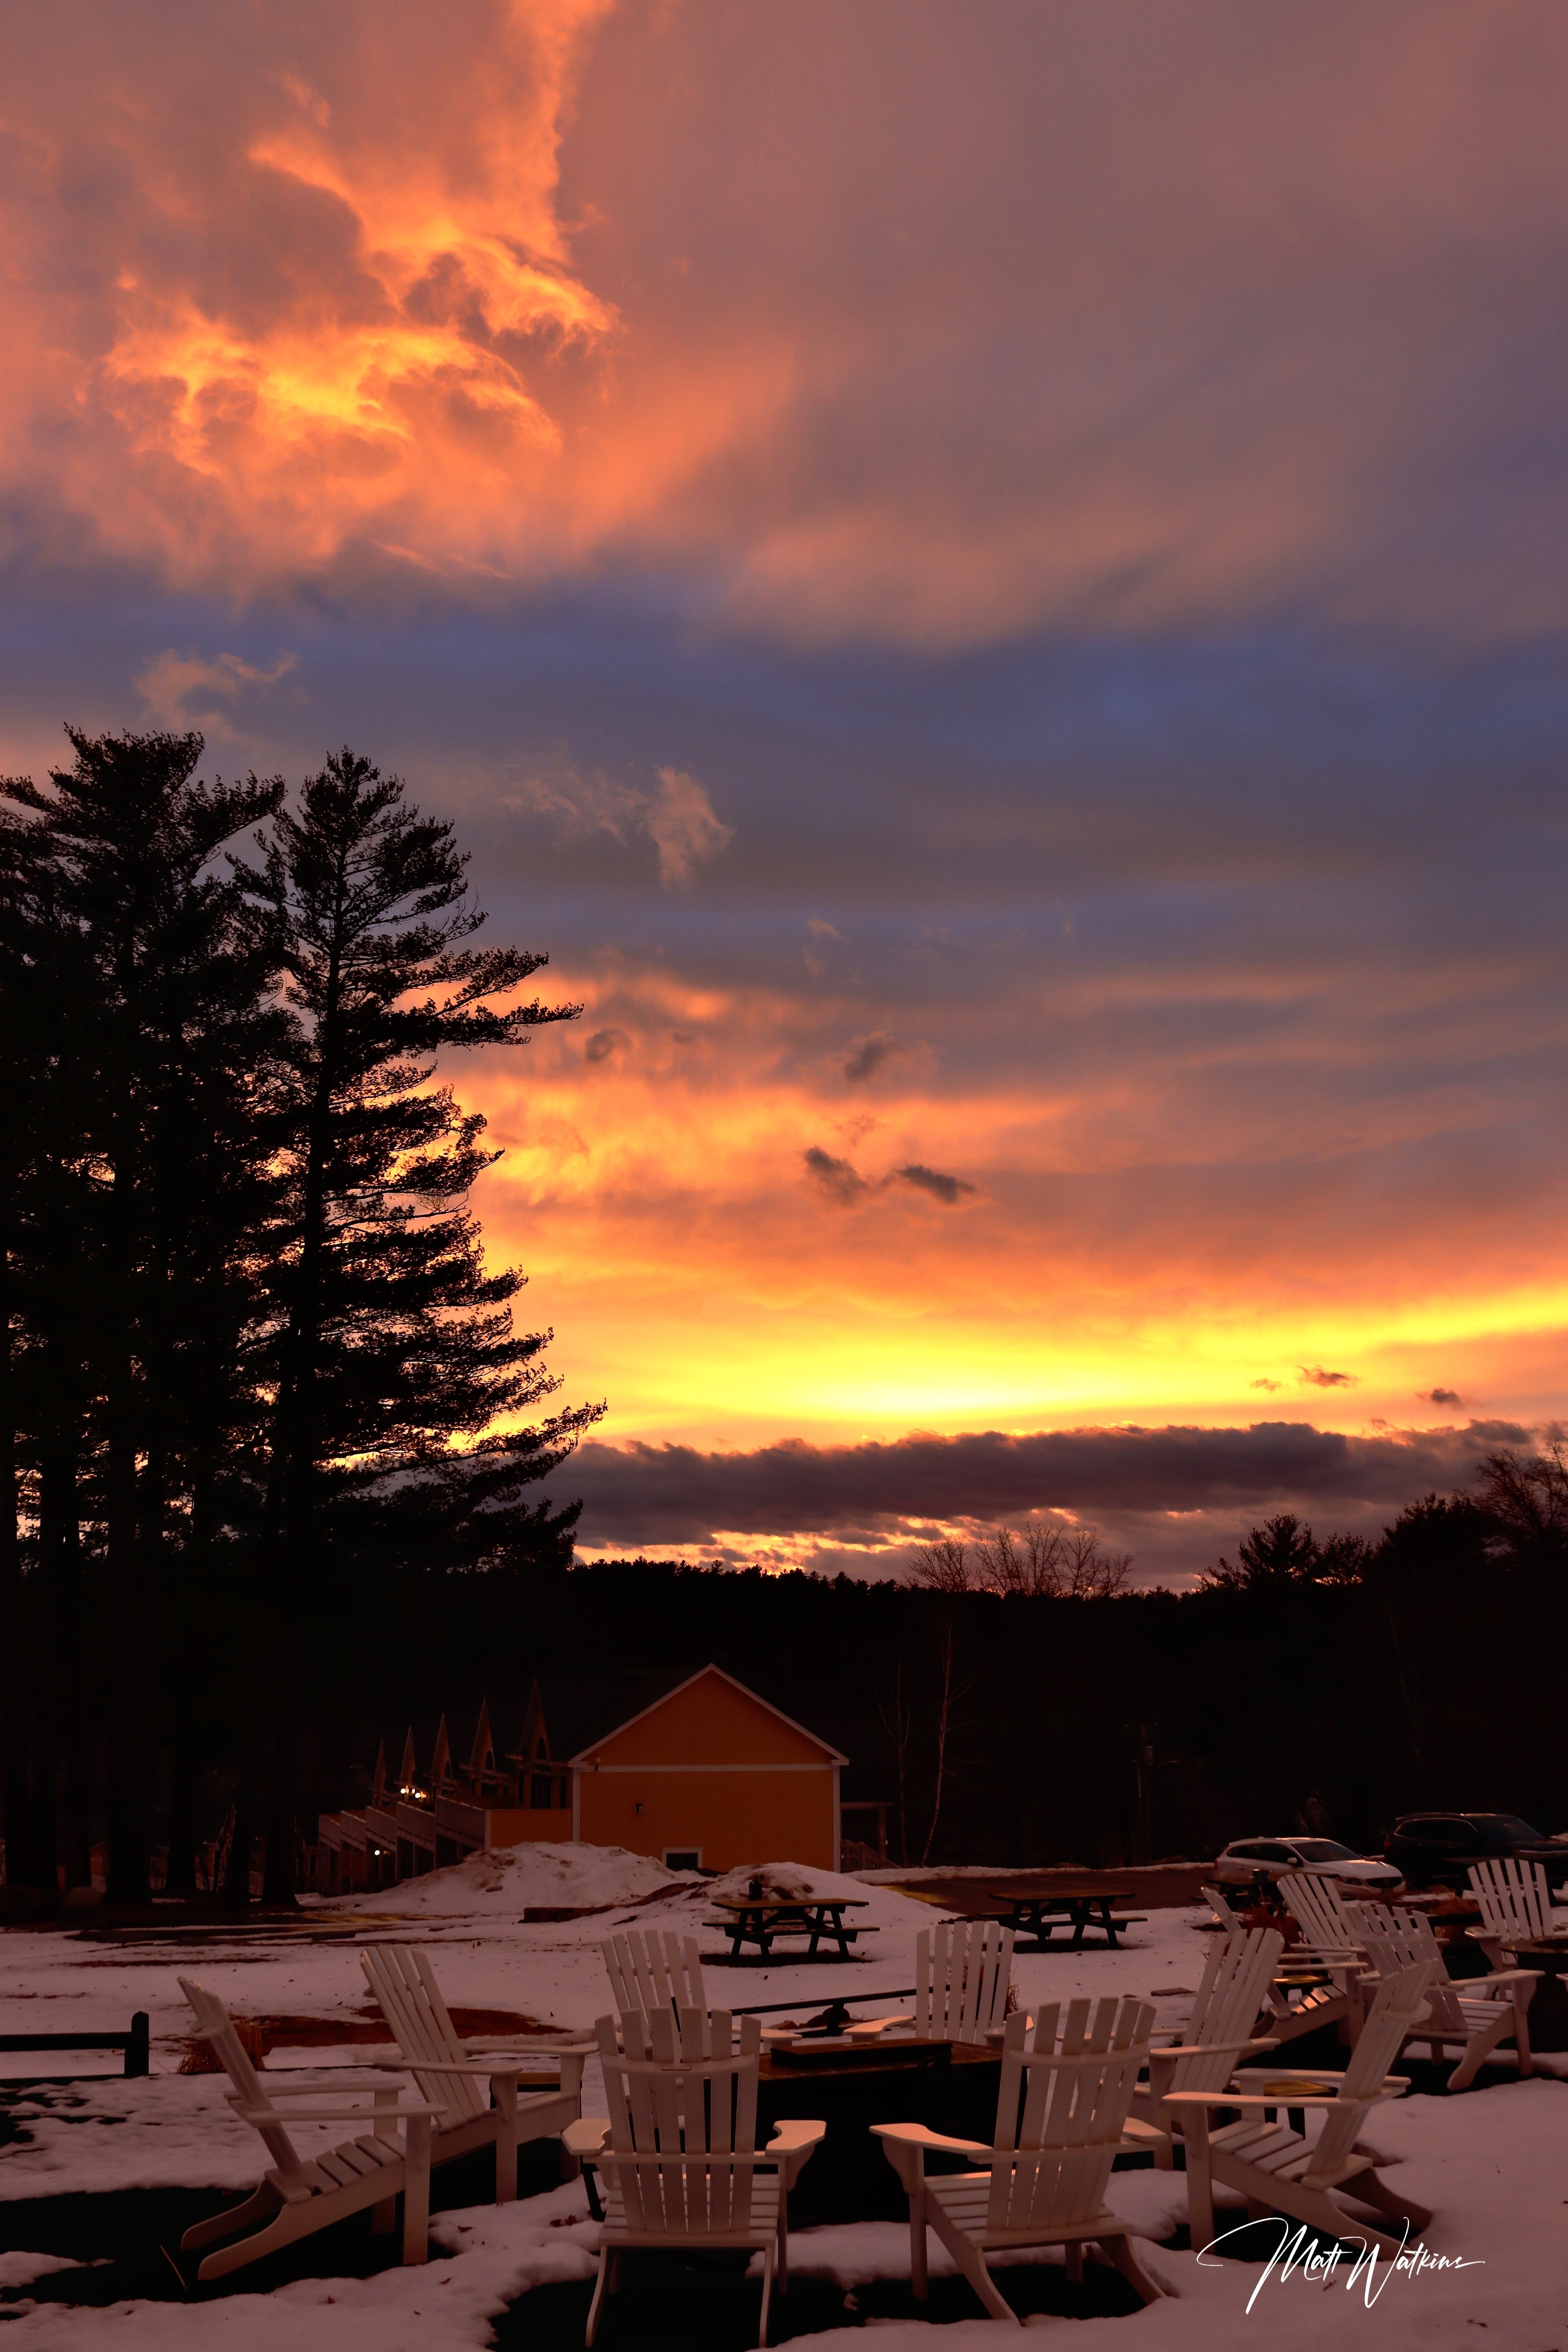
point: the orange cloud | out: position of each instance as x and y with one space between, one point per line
322 304
720 1268
881 324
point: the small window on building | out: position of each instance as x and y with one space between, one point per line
683 1857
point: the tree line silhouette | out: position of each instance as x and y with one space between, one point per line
248 1342
1327 1682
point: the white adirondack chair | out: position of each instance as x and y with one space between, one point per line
450 2074
300 2194
1332 1938
962 1972
664 2039
649 1971
1330 1929
672 2040
1279 2171
1290 2009
1474 2015
1238 1978
679 2154
1060 2109
1515 1904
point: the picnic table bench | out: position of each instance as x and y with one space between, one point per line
1077 1907
762 1919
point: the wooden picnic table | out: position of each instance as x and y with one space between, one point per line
1077 1907
761 1919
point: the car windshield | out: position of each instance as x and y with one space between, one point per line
1506 1828
1322 1850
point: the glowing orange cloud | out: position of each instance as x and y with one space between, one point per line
336 324
916 322
731 1240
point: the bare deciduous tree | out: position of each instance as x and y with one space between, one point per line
944 1566
1050 1563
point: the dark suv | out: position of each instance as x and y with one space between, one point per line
1437 1848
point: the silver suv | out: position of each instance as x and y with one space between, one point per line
1240 1862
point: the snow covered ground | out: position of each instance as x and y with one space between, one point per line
1493 2164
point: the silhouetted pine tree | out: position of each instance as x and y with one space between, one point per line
169 958
395 1339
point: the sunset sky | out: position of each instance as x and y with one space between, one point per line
992 583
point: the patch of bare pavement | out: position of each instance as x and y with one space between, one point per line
1164 1887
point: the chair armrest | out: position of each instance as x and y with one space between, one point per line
448 2066
1300 2074
587 2136
260 2115
527 2045
339 2089
1217 2049
1390 2088
919 2136
796 2132
1248 2099
1463 1985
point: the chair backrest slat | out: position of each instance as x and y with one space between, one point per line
217 2029
1232 1990
1400 1939
1062 2104
1399 2007
651 1970
1319 1910
1405 1940
410 2000
682 2041
1514 1897
962 1972
684 2119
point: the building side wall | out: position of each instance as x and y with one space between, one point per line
730 1817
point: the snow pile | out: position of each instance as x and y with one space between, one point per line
506 1881
787 1881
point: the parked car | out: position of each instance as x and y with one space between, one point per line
1240 1862
1437 1848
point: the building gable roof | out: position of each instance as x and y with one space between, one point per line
665 1688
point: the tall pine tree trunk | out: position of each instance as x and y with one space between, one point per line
14 1664
288 1529
129 1697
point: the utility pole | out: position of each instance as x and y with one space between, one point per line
1143 1777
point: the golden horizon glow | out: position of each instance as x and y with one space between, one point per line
702 1282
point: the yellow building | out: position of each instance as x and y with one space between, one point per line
699 1773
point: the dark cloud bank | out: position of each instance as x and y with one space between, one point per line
642 1495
